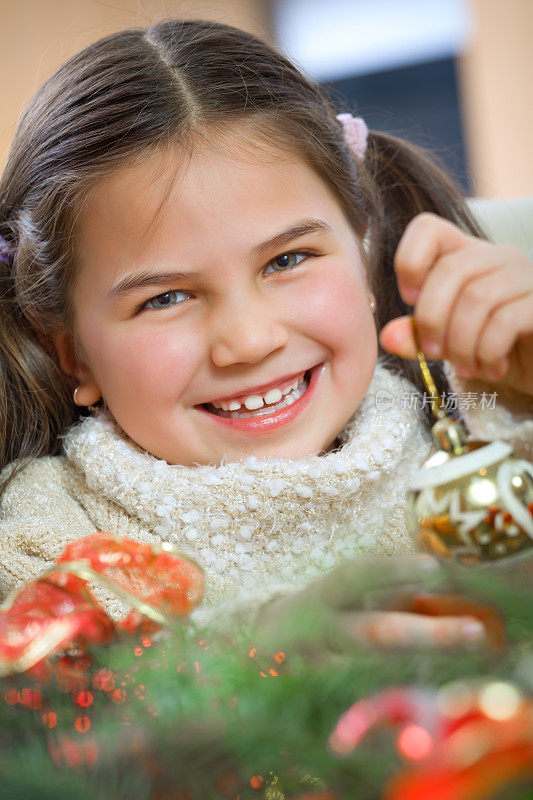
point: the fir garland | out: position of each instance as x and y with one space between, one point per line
189 717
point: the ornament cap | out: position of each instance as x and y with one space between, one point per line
449 435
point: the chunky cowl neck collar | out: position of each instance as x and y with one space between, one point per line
270 518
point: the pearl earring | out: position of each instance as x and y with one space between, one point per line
90 407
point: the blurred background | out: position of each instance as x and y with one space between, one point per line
452 75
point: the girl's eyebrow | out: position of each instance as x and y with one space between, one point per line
301 228
141 280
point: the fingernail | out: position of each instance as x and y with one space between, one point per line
473 631
430 348
410 295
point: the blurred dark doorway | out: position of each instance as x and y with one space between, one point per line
420 103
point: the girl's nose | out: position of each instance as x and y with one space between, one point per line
240 335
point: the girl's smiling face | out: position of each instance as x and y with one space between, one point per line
277 287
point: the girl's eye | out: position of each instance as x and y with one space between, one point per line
282 263
165 300
287 261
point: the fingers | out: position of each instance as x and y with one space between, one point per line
462 295
315 633
403 630
460 276
441 605
473 313
426 238
505 325
346 585
474 301
397 337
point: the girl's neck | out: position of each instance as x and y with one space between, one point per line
333 446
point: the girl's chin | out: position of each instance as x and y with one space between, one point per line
288 450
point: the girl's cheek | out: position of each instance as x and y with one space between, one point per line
145 358
337 308
168 355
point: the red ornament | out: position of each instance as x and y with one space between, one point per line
83 699
464 742
50 719
118 696
82 724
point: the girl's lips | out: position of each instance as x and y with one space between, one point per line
269 422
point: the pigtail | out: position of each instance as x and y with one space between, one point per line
405 180
35 406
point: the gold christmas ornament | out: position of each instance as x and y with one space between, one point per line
471 501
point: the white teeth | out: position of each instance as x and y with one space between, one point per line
254 402
294 395
258 410
273 396
288 389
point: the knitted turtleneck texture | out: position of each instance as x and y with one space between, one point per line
265 520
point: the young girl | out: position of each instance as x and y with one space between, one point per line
199 255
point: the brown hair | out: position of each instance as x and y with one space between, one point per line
144 89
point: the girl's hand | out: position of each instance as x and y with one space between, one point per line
328 617
473 303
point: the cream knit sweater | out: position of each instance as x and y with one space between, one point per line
259 527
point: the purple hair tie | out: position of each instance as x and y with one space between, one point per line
5 251
355 133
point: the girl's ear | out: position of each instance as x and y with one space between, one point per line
69 362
